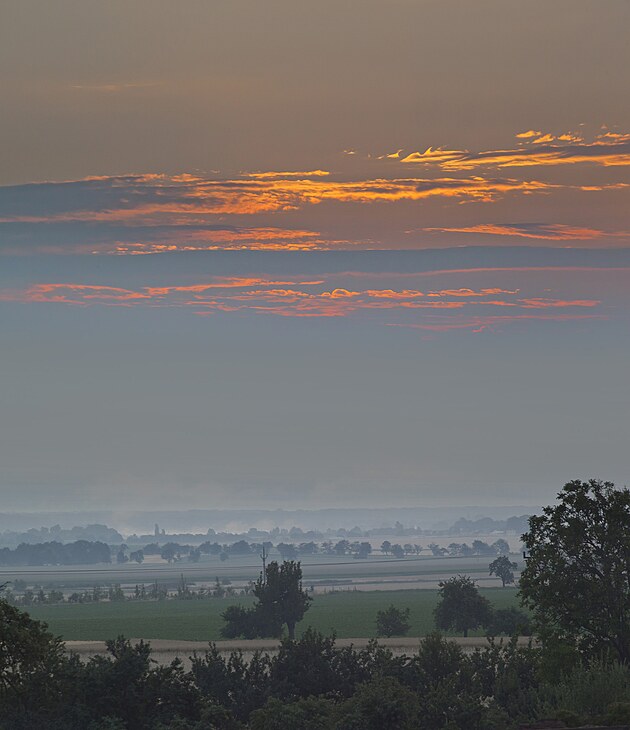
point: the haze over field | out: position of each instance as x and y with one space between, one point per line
309 255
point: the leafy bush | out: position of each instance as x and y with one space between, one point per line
392 621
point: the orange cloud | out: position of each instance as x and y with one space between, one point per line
340 294
482 323
470 292
540 303
258 294
80 294
391 294
464 307
609 149
528 134
250 239
542 231
435 156
285 175
485 270
155 200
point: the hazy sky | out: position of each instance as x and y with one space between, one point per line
269 254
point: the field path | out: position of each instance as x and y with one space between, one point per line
165 650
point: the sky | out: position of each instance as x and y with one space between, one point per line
312 254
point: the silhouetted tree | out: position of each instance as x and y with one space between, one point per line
170 552
29 658
503 568
501 546
137 556
287 551
280 595
342 547
194 556
361 549
280 600
121 556
392 621
576 576
461 607
482 548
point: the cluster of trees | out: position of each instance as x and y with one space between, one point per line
297 535
172 551
280 601
95 532
463 550
80 552
461 608
89 552
486 525
19 595
399 551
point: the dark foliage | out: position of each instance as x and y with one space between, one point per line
392 621
461 607
576 574
508 622
281 601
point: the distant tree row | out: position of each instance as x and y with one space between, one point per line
463 550
95 532
81 552
18 594
86 552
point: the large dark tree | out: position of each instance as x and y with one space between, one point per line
281 601
461 607
31 662
577 574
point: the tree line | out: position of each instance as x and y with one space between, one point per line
86 552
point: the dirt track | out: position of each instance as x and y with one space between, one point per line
165 650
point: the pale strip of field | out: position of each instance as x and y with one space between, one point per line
165 650
241 569
400 584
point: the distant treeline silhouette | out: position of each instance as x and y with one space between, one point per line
80 552
11 538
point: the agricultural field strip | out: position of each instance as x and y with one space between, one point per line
346 613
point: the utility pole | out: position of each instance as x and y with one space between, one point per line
263 557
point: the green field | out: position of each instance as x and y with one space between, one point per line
349 613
